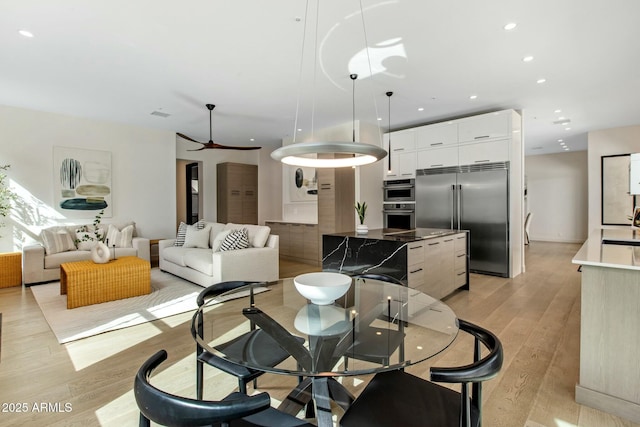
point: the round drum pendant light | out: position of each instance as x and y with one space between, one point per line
350 153
345 153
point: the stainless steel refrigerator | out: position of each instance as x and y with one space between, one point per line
474 198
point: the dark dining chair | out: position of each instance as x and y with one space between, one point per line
396 398
235 410
367 347
265 348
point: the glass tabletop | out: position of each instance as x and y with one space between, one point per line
375 326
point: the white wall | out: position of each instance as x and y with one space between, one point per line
143 171
606 142
557 196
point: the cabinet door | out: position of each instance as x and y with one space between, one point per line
281 230
484 152
405 164
311 246
296 240
432 272
440 158
437 136
402 141
447 264
415 264
485 126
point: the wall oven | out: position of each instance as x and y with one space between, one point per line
399 190
399 215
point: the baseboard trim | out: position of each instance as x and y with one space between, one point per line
607 403
556 240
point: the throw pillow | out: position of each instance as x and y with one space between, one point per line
182 232
196 238
217 241
237 239
57 239
120 238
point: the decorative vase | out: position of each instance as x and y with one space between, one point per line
362 229
100 253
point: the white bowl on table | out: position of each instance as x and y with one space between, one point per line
322 287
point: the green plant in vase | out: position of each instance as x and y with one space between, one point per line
361 210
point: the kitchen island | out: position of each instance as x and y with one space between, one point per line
433 261
609 322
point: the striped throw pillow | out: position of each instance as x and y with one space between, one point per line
57 239
182 232
120 238
237 239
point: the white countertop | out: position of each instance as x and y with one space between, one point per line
594 252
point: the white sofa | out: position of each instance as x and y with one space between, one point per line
38 266
206 266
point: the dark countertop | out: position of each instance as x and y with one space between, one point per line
398 235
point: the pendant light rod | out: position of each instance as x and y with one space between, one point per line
353 78
210 107
389 155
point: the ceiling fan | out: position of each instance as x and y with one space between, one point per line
212 144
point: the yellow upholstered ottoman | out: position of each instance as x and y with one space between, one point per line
10 269
86 282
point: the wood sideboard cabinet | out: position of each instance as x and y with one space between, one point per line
298 241
237 199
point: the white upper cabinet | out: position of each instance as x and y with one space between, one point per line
484 127
484 152
440 158
402 141
402 155
436 136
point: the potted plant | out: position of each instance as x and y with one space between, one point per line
361 209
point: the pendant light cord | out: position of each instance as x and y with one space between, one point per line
304 36
366 46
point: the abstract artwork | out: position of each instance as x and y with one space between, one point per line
303 184
82 181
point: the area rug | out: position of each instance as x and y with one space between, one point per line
170 295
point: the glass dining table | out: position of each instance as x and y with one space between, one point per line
374 327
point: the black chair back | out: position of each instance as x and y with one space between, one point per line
171 410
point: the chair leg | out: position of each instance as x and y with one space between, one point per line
199 380
242 386
144 421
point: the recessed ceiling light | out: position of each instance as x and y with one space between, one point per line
299 130
560 140
25 33
420 109
561 118
541 81
252 139
567 128
527 58
379 118
566 148
510 26
558 111
473 97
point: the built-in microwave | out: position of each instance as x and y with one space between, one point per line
399 190
399 215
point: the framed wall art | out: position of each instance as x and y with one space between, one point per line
82 182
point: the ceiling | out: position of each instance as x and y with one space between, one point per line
121 61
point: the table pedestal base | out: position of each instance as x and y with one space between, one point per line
322 390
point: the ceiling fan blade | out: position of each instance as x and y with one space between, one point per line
229 147
181 135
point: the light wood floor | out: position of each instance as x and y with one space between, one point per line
536 315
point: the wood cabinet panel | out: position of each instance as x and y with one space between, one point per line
237 193
298 242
